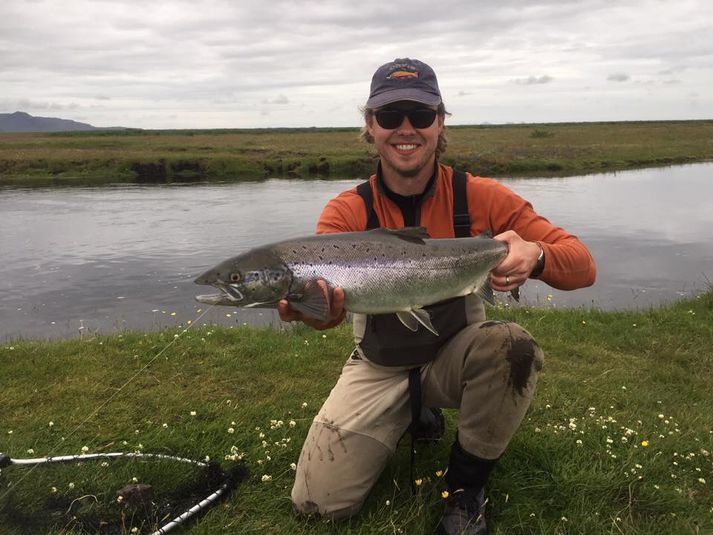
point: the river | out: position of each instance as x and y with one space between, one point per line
107 259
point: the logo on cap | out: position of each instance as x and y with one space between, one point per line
402 74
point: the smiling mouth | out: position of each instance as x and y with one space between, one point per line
405 147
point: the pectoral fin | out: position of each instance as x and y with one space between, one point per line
311 302
411 319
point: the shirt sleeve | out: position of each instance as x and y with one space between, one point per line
568 263
344 213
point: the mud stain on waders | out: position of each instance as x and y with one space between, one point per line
521 356
331 426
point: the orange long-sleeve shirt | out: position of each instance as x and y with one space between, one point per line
568 262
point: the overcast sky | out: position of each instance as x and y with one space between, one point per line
244 64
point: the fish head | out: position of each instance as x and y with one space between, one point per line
257 278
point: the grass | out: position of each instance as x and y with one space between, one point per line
176 156
618 440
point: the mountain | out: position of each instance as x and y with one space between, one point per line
24 122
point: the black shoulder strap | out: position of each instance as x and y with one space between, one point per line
461 217
364 191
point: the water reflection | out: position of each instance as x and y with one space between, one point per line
124 257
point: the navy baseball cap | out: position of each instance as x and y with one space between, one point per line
404 79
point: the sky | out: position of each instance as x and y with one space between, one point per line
303 63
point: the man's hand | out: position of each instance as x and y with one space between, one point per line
516 267
335 315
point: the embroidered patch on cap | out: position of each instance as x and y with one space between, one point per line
402 74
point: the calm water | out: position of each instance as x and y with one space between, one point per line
122 257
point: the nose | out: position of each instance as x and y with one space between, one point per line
405 125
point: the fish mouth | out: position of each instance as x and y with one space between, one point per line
229 296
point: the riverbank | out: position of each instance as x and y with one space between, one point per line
88 158
618 440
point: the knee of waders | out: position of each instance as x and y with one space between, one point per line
336 471
504 344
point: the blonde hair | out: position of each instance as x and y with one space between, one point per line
368 113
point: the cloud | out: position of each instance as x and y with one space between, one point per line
282 99
220 63
533 80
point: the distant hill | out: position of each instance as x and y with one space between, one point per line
24 122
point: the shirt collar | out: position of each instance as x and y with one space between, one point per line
383 189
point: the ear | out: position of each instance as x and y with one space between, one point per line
369 123
441 122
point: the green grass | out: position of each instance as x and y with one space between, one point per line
176 156
618 440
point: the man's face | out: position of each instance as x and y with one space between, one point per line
406 150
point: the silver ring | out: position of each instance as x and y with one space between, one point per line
507 280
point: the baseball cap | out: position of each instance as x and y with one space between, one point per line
404 79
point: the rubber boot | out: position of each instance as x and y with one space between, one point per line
465 505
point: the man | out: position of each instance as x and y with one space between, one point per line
486 369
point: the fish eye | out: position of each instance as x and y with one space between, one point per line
235 277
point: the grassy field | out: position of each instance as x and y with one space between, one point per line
618 441
168 156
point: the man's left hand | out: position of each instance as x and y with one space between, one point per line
516 267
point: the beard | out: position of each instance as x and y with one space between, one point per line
412 170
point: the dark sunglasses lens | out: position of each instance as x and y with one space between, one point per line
421 118
389 119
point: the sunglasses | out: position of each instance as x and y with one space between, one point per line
419 118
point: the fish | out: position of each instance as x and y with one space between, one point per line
382 271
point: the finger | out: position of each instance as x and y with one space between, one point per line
507 236
286 312
327 294
505 283
338 301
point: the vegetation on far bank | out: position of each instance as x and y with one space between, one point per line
226 155
618 440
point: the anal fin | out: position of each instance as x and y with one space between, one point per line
486 292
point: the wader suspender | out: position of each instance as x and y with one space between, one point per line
461 229
461 218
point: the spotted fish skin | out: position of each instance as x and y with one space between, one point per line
381 271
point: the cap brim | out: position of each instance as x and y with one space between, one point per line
397 95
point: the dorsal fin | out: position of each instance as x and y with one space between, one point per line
410 234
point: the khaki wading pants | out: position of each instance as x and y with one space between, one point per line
488 371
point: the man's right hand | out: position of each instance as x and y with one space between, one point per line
335 315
